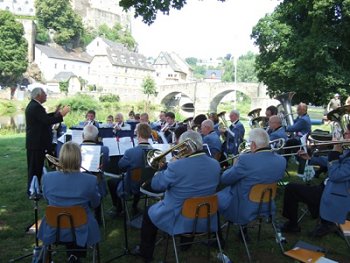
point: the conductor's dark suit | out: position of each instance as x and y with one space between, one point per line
38 136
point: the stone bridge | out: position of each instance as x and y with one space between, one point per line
206 96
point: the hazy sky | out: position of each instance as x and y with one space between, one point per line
203 29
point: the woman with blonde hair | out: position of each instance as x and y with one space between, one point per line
70 187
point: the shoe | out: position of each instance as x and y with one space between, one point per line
290 228
136 251
323 229
73 259
301 175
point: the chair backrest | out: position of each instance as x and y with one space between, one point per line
200 207
65 217
263 193
136 175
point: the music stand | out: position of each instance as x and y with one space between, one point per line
126 251
35 196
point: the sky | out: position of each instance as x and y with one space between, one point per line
203 29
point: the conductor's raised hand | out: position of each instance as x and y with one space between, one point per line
64 111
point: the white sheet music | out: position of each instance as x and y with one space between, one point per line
161 134
77 136
124 144
112 145
163 147
91 157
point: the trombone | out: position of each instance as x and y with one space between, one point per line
155 157
244 147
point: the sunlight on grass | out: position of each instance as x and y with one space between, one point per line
115 233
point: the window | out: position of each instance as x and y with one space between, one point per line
64 66
126 70
55 65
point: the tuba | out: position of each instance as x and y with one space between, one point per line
155 157
285 108
340 117
223 123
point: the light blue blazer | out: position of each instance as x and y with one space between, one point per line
232 143
279 133
133 158
71 189
214 143
335 200
262 167
197 175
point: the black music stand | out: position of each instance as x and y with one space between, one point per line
126 250
37 249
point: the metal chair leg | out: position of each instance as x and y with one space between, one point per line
219 246
175 250
277 236
245 243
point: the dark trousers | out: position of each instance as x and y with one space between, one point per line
148 237
116 200
35 162
295 193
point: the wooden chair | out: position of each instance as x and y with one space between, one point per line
344 231
197 208
261 194
71 218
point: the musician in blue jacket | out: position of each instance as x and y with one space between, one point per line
277 131
261 166
234 134
70 187
211 138
133 158
195 175
330 199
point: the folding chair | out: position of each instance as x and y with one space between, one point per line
71 218
261 194
344 231
198 208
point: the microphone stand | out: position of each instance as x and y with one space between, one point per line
37 249
126 251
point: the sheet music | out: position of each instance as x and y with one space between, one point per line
112 145
91 157
125 143
77 136
136 142
161 134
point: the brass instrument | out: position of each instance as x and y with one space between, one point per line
244 147
188 122
223 123
254 113
257 121
184 149
197 122
285 108
340 117
56 163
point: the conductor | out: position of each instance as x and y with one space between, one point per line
39 132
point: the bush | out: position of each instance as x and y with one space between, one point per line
81 102
7 107
109 98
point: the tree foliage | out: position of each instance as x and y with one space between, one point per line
304 47
59 16
118 34
148 9
149 86
13 50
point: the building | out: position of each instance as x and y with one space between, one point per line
170 68
18 7
213 75
115 69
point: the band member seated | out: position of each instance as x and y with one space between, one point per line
90 119
132 159
234 134
70 187
144 118
301 127
180 181
276 130
158 125
270 111
261 166
330 199
110 121
211 138
120 125
169 127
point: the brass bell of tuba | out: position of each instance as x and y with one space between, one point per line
286 112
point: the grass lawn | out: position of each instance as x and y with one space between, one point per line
16 213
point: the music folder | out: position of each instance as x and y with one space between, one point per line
91 157
304 255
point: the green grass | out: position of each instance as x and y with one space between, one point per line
16 213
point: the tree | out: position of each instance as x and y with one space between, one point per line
149 88
59 16
304 47
118 34
246 68
148 9
13 50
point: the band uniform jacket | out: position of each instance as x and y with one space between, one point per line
71 189
232 142
133 158
213 141
335 200
38 126
279 133
261 167
194 176
301 126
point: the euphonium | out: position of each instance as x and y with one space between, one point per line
184 149
223 123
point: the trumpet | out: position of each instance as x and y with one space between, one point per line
184 149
